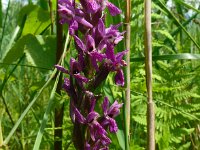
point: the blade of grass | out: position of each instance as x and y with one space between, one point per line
182 56
187 5
50 105
46 114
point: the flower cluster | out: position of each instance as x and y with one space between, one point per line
96 59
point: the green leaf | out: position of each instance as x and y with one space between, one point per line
39 50
24 12
38 20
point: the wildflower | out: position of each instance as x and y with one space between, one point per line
72 16
91 121
109 114
116 62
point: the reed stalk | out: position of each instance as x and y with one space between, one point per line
127 45
148 69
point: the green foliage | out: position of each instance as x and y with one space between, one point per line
39 50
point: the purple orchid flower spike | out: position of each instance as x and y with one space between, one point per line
95 59
109 114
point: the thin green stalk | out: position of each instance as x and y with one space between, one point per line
128 99
148 69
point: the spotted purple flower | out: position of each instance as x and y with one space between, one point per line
109 114
72 16
90 49
75 70
91 121
116 62
109 35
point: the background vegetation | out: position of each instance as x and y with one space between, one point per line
27 77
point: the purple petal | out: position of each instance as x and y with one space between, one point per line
92 132
105 140
79 43
110 52
78 116
114 109
99 128
120 55
90 44
97 145
118 39
82 21
65 11
92 116
101 27
96 56
66 85
114 10
105 105
102 45
72 27
119 78
80 78
112 125
74 66
92 6
62 69
79 12
81 60
87 146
